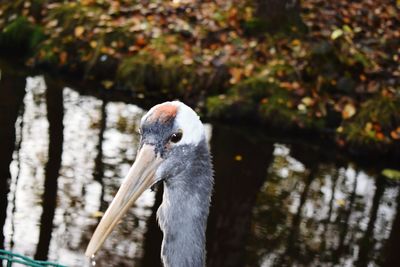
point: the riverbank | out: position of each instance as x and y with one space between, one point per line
335 74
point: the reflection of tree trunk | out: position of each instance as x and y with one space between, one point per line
14 195
153 236
392 257
55 110
345 224
333 192
11 95
291 251
328 218
367 241
236 186
98 173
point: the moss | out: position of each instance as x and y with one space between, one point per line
133 71
168 74
143 73
382 108
374 122
259 99
21 35
276 111
241 101
244 100
217 106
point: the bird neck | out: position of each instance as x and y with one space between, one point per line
183 213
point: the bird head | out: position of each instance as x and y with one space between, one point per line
167 131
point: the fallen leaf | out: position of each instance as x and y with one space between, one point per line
296 42
141 41
63 57
308 101
290 85
248 69
187 61
395 135
391 174
107 84
301 107
341 202
347 29
52 23
236 74
97 214
341 142
238 157
79 30
348 111
368 127
336 34
93 44
380 136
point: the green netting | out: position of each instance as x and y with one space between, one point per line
8 258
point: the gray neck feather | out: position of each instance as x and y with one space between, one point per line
183 213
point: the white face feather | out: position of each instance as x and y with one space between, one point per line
185 120
189 122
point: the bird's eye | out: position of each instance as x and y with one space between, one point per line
176 137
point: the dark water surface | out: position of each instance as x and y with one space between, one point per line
276 202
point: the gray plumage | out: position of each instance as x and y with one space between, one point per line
188 181
172 149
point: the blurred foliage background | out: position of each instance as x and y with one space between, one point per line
326 67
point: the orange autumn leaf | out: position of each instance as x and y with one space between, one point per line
348 111
395 135
63 57
236 74
290 85
286 85
140 41
79 30
93 44
380 136
296 42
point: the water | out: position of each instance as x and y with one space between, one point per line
93 260
277 201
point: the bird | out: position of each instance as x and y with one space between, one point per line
172 150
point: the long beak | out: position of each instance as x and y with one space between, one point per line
139 178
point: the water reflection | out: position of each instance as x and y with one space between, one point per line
12 87
390 255
98 173
241 165
275 203
321 215
153 237
55 114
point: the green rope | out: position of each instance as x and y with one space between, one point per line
11 258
